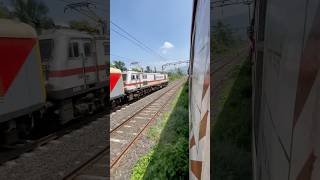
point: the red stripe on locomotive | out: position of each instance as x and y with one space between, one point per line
14 52
75 71
131 84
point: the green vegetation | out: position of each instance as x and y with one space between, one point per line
178 74
120 65
169 158
4 12
223 40
231 132
83 25
33 12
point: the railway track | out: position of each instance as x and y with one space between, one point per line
8 153
122 137
15 151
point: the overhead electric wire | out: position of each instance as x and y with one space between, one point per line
137 41
130 59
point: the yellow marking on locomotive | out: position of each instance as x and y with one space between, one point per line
42 81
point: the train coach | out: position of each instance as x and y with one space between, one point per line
199 92
57 76
286 90
75 71
128 85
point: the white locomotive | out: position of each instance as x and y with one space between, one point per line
75 64
127 85
68 80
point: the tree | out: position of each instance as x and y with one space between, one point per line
4 12
221 38
148 69
33 12
179 72
136 69
83 25
120 65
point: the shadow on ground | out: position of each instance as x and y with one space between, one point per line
171 156
231 131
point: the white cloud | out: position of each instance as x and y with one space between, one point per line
167 45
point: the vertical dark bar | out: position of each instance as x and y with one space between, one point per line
108 85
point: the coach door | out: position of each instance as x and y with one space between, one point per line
89 61
75 63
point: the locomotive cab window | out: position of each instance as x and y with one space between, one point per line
73 49
87 49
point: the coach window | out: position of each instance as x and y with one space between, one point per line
144 76
133 77
138 77
73 49
87 49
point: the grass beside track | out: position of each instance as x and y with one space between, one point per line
231 130
169 158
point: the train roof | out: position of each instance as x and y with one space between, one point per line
10 28
130 71
115 70
52 33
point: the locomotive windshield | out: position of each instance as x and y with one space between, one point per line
46 47
124 77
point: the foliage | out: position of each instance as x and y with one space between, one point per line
141 166
4 12
148 69
120 65
136 69
231 132
83 25
221 38
170 157
175 75
33 12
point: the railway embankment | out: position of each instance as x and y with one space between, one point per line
168 156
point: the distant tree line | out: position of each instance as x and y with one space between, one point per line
35 13
122 66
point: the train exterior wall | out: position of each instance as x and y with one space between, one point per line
199 92
286 90
145 80
23 89
68 76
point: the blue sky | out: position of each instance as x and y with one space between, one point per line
163 25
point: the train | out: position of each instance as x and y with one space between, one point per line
128 85
58 75
199 92
286 86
